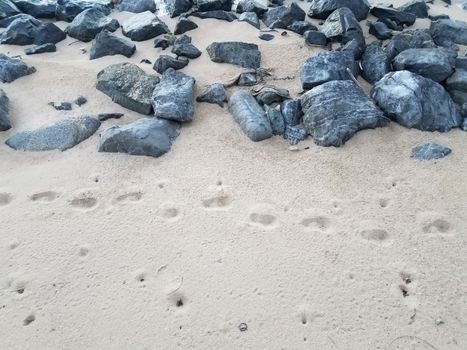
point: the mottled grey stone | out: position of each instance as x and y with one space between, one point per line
410 39
292 112
294 134
375 63
300 27
28 31
243 54
354 48
342 26
37 8
214 93
137 6
218 14
8 9
457 86
314 37
266 36
419 8
5 22
251 6
251 18
40 49
67 10
429 151
269 94
107 44
12 69
184 25
247 79
400 17
275 119
89 23
213 5
80 100
283 16
165 62
184 47
5 122
177 7
143 26
445 32
323 8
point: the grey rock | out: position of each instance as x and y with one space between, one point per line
243 54
321 9
464 124
445 32
429 151
5 123
143 26
457 86
419 8
214 93
213 5
163 43
67 10
62 106
292 112
40 49
294 134
375 63
283 16
8 9
336 110
184 47
144 137
165 62
268 94
184 25
12 69
251 6
128 85
275 119
461 62
37 8
218 14
410 39
107 44
61 135
247 79
342 26
266 36
28 31
400 17
379 30
314 37
173 97
137 6
5 22
177 7
251 18
438 17
80 100
106 116
89 23
300 27
354 48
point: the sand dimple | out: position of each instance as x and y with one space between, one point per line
85 200
5 198
436 226
320 223
46 196
29 319
129 197
375 235
169 212
218 201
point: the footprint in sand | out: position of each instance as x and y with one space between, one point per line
218 199
130 197
434 223
168 212
29 319
44 197
376 236
261 215
5 198
84 200
316 223
383 202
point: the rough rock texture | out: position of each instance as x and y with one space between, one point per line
8 9
411 39
5 22
327 66
292 112
177 7
335 111
445 32
184 47
214 93
165 62
275 119
144 26
314 37
5 123
28 31
128 85
251 6
461 62
173 97
144 137
247 79
213 5
40 49
243 54
429 151
218 14
375 63
419 8
457 86
37 8
67 10
294 134
342 26
107 44
323 8
266 36
416 102
250 116
354 48
184 25
300 27
61 135
399 17
269 94
137 6
89 23
283 16
379 30
251 18
12 69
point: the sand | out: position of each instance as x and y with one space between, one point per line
358 247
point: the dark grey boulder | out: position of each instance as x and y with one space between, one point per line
294 134
12 69
292 112
429 151
266 36
106 116
107 44
336 110
283 16
314 37
375 63
247 79
177 7
410 39
342 26
40 49
213 5
243 54
438 17
67 10
165 62
37 8
61 135
162 43
327 66
144 137
184 25
268 94
89 23
143 26
354 48
5 22
5 123
416 102
321 9
218 14
173 97
251 18
433 63
379 30
137 6
461 62
275 119
28 31
250 116
128 85
300 27
391 24
419 8
251 6
445 32
400 17
184 47
464 124
8 9
457 86
214 93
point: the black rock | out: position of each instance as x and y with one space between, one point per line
177 7
243 54
214 93
107 44
247 79
251 18
37 8
144 137
314 37
8 20
128 85
419 8
145 61
163 43
400 17
28 31
375 63
173 97
342 26
327 66
184 25
379 30
445 32
137 6
40 49
67 10
80 100
336 110
276 120
354 48
61 135
214 5
5 123
251 6
321 9
461 62
62 106
8 9
268 94
292 112
266 36
143 26
283 16
165 62
89 23
393 25
457 86
218 14
429 151
411 39
106 116
184 47
300 27
12 69
437 17
416 102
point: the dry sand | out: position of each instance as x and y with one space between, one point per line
358 247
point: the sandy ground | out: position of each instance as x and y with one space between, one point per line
359 247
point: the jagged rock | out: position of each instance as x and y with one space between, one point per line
106 116
300 27
266 36
251 18
314 37
375 63
137 6
266 95
144 26
354 48
419 8
28 31
218 14
416 102
163 43
89 23
12 69
67 10
184 25
251 6
214 5
184 47
433 63
37 8
327 66
292 112
275 119
457 86
243 54
429 151
400 17
250 116
40 49
61 135
8 9
5 123
165 62
283 16
214 93
144 137
342 26
380 30
107 44
62 106
4 23
177 7
80 100
411 39
173 97
445 32
128 85
247 79
336 110
321 9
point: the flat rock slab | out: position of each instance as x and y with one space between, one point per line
218 14
12 69
137 6
300 27
89 23
445 32
336 110
416 102
5 123
67 10
321 9
144 26
214 93
243 54
37 8
429 151
144 137
128 85
40 49
61 136
28 31
107 44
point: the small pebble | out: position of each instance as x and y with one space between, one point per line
243 327
80 100
104 116
144 60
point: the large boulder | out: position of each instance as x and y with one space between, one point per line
336 110
67 10
5 22
217 14
243 54
144 26
37 8
429 151
173 97
177 7
184 25
375 63
5 123
419 8
445 32
144 137
184 47
128 85
61 135
107 44
137 6
214 93
327 66
28 31
8 9
283 16
250 116
251 18
416 102
389 13
89 23
212 5
12 69
457 86
165 62
342 26
251 6
321 9
410 39
433 63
